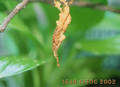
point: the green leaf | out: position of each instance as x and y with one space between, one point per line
110 46
81 19
97 1
13 65
103 38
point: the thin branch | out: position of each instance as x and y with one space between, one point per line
21 5
98 6
50 2
12 14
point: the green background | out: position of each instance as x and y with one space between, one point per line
90 51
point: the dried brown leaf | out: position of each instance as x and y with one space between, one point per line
62 24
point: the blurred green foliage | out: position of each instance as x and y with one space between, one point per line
97 1
90 51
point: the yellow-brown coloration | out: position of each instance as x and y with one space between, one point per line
62 24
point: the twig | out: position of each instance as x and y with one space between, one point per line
98 6
75 3
12 14
51 2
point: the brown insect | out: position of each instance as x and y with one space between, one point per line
62 24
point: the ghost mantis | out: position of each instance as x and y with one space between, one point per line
62 24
